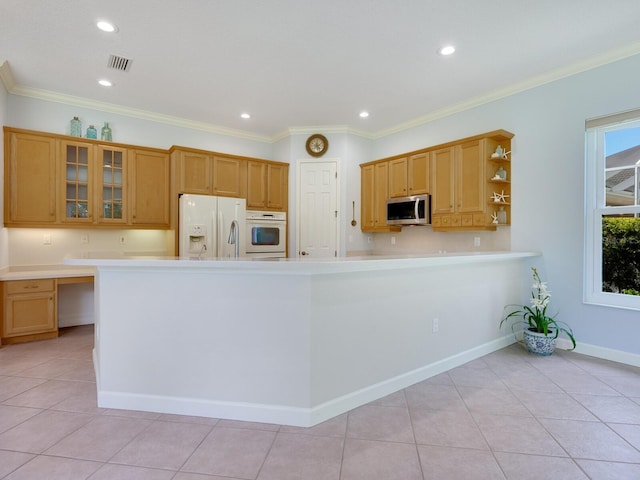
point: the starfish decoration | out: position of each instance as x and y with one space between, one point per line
494 217
499 197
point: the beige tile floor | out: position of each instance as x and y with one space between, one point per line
506 415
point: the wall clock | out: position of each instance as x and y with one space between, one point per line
317 145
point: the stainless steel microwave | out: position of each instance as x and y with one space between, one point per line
414 210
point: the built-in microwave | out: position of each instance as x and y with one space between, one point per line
414 210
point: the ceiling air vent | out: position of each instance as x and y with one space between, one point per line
119 63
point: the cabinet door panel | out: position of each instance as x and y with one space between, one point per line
277 178
76 163
30 179
228 176
256 185
470 178
367 198
195 173
381 190
418 174
29 314
442 172
398 177
111 185
149 189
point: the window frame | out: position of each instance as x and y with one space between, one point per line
596 209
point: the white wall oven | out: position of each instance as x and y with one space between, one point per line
266 234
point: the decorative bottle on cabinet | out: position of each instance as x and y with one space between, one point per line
92 132
502 216
105 134
76 127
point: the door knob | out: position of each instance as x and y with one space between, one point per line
303 253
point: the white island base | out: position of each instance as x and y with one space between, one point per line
292 342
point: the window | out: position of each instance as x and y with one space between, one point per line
612 211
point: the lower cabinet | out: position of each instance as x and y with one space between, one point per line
29 310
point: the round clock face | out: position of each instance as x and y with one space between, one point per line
317 145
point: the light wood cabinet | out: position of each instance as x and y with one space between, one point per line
229 176
195 172
76 166
205 173
418 174
374 193
29 310
409 175
397 171
461 183
463 177
149 188
111 185
443 178
30 179
267 185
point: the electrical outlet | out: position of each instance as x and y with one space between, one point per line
476 241
393 240
435 325
46 239
84 239
369 239
122 240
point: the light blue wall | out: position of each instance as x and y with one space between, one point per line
548 181
547 172
41 115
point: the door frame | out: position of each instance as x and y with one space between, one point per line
299 164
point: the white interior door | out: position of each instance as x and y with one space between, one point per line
318 209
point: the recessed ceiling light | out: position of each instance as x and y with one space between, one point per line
446 50
364 114
107 27
245 116
105 83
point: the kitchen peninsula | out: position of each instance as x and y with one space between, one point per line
291 341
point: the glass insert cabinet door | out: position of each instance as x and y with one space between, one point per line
77 193
112 184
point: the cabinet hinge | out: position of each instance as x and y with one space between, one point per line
336 213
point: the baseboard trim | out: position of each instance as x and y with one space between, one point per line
605 353
288 415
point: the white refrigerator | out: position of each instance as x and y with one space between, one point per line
212 226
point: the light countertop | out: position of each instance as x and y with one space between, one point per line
30 272
304 265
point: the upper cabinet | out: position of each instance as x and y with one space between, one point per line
62 181
469 181
418 174
149 175
30 179
206 173
267 185
111 185
397 171
76 165
374 193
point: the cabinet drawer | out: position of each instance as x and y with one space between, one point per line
29 286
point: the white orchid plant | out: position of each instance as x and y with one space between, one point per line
535 317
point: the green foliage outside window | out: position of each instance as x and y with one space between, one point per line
621 255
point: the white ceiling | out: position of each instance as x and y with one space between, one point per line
300 63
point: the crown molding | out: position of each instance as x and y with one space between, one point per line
7 77
533 82
593 62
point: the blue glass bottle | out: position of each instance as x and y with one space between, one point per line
92 132
76 127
